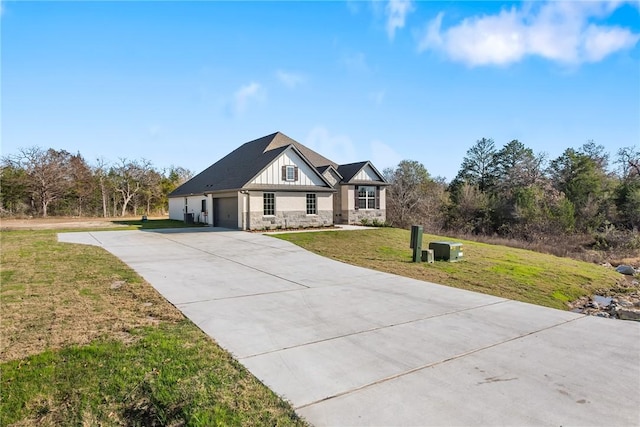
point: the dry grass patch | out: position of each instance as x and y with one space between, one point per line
57 294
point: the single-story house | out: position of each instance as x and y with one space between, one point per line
276 182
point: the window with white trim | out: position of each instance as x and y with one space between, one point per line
312 204
366 197
269 203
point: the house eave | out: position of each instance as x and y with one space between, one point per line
205 193
289 188
361 182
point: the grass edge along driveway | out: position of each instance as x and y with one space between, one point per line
85 340
501 271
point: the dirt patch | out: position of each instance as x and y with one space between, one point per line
55 223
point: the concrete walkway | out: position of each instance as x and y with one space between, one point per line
350 346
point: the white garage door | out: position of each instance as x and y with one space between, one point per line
225 212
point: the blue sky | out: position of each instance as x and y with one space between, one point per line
185 83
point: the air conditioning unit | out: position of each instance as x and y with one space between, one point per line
446 251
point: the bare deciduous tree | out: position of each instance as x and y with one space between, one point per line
629 161
100 173
405 195
48 174
130 178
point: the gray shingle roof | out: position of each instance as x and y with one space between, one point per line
316 159
238 168
350 170
323 169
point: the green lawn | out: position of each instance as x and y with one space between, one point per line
497 270
86 341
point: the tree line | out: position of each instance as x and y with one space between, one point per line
509 191
513 192
44 182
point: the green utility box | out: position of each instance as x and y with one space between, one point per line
446 251
416 242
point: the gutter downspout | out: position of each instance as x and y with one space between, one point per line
246 209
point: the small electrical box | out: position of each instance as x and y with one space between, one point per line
427 256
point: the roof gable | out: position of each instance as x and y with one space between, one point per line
316 159
360 172
241 166
271 174
330 174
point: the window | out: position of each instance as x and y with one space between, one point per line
269 204
366 197
312 206
289 173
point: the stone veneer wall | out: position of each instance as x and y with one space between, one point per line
290 219
356 216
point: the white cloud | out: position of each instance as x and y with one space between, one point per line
600 42
397 11
560 31
430 37
377 97
290 79
247 93
338 148
383 156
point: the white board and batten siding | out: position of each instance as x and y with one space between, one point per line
272 174
367 174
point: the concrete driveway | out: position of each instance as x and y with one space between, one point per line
351 346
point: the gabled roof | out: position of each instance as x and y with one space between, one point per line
293 147
238 168
323 169
349 171
316 159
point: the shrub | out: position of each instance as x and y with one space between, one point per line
610 238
